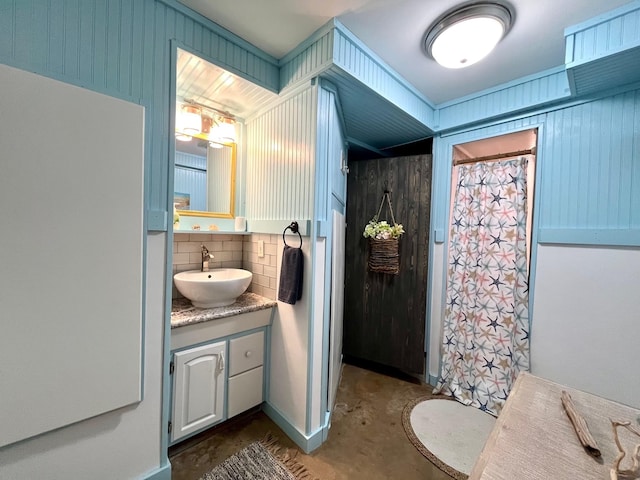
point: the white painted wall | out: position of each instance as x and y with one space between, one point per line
123 444
586 320
289 349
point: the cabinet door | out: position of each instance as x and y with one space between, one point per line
198 388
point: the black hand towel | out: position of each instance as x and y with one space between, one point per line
291 275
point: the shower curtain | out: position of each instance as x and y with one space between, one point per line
486 325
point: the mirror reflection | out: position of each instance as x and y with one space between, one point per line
204 178
205 147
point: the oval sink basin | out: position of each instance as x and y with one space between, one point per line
216 288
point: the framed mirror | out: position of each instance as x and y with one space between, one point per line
205 178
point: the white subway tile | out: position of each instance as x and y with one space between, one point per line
233 246
232 264
180 237
270 249
188 247
199 237
223 256
237 256
181 258
269 293
269 271
261 280
257 269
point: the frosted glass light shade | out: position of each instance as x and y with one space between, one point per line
467 42
465 36
223 132
191 120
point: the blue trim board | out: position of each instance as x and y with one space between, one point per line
590 236
307 443
278 226
162 473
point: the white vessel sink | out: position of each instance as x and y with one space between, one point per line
216 288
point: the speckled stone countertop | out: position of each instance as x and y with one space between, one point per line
183 313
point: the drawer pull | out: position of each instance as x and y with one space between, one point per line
247 353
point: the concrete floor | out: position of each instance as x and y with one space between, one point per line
366 439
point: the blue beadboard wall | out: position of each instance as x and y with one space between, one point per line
121 48
588 171
281 161
190 177
591 166
605 51
523 94
366 84
308 59
355 58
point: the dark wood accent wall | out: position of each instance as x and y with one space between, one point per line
384 315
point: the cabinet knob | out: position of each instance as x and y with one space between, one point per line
247 353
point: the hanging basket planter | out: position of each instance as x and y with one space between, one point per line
384 256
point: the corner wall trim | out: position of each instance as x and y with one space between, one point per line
306 443
162 473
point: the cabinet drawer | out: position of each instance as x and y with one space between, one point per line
245 391
246 353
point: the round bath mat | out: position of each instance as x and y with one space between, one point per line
451 435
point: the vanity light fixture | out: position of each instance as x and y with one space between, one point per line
191 120
467 34
224 131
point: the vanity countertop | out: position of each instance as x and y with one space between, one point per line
183 313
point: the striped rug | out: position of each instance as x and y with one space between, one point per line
263 460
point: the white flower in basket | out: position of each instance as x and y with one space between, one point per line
381 230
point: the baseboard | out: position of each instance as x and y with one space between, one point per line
162 473
308 443
433 380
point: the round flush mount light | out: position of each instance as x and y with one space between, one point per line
467 34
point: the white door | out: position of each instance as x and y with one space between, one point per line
198 388
337 306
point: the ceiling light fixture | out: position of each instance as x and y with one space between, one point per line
467 34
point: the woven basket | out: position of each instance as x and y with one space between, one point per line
384 256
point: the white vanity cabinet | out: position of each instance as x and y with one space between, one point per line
218 371
198 388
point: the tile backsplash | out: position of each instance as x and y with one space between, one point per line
230 251
264 268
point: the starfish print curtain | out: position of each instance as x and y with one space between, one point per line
485 332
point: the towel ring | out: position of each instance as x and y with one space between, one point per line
295 229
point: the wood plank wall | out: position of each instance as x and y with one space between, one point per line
384 316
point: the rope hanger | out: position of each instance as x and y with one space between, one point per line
386 196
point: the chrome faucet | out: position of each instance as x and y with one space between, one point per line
206 256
